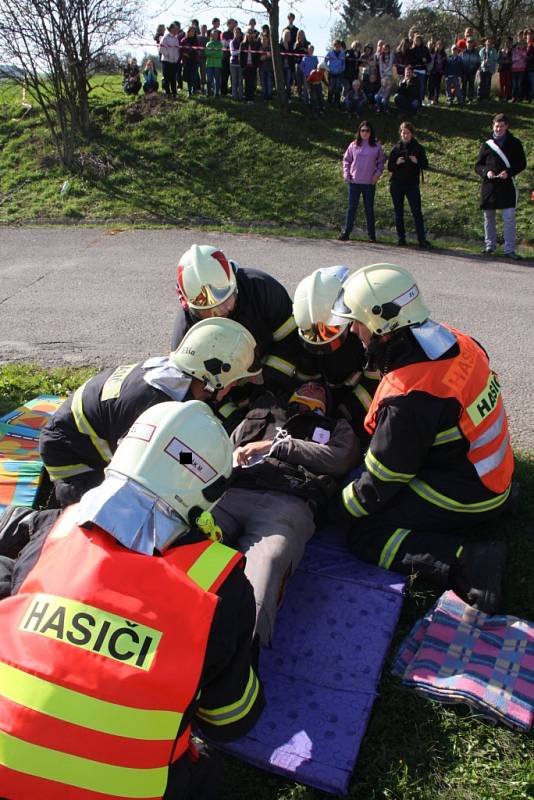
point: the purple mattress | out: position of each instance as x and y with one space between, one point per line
321 675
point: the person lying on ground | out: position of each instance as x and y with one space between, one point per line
289 462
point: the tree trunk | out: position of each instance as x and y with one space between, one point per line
274 18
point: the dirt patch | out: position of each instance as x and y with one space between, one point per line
150 105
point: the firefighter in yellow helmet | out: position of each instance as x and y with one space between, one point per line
209 284
123 624
83 434
439 464
330 350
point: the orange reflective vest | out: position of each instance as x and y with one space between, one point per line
102 652
482 421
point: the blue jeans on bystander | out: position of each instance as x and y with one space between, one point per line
368 192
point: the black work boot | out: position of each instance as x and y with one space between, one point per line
476 575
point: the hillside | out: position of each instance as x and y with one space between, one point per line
218 163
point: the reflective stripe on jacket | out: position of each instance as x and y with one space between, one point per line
100 665
468 379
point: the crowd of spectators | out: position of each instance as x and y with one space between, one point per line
383 77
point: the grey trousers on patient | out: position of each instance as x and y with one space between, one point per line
271 529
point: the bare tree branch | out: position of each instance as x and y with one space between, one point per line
56 44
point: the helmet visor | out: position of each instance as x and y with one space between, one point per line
323 339
340 308
211 296
319 333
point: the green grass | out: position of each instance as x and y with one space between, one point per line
413 749
219 164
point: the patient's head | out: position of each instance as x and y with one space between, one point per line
310 396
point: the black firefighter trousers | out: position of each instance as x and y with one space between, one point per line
413 535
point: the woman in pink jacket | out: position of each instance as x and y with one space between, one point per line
363 164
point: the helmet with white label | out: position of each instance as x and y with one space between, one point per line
218 352
320 330
205 277
383 297
179 452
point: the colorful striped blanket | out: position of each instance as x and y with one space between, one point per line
456 654
21 467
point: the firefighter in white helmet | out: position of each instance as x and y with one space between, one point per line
122 611
211 285
439 461
83 434
330 350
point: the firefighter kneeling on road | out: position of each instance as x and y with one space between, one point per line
439 464
83 434
126 625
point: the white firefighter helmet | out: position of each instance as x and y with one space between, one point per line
179 452
217 351
384 297
320 330
205 277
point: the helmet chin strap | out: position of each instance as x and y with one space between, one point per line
378 353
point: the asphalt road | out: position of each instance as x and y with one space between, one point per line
73 296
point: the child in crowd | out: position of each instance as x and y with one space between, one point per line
407 97
236 73
438 69
214 59
401 57
382 96
308 63
488 67
266 66
370 73
203 38
316 79
150 77
300 49
385 62
288 62
471 65
355 99
169 52
131 78
504 68
335 63
190 57
352 66
453 84
519 67
250 60
160 33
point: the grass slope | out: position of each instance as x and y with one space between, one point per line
223 164
413 749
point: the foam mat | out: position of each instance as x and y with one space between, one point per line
332 635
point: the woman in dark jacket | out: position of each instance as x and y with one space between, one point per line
419 58
190 56
406 162
249 57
